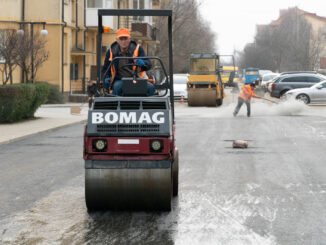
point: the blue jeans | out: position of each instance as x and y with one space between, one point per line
117 88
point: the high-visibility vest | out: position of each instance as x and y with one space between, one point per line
113 71
112 67
135 54
246 92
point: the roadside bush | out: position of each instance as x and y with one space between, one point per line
40 96
20 101
14 102
55 96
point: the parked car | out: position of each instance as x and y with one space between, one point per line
297 72
269 84
267 78
314 94
179 86
263 72
288 81
322 71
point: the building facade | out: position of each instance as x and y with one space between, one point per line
318 35
71 40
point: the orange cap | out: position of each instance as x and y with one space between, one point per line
123 32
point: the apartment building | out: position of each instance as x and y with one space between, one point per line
71 27
318 25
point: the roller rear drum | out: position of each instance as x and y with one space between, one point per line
128 189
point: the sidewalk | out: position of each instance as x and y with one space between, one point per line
48 117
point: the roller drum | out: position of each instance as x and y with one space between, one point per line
202 97
128 189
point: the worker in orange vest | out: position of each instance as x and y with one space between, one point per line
247 91
125 47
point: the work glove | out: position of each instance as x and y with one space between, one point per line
140 63
107 83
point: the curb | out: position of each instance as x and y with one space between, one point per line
39 132
82 105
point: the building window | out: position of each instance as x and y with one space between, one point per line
73 71
2 40
138 4
94 3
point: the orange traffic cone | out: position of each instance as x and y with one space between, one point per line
181 99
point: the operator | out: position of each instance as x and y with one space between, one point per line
125 47
247 91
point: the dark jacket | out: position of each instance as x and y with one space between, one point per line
106 72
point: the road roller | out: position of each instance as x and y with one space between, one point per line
205 86
131 160
229 72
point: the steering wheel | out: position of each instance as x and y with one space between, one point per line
129 64
135 71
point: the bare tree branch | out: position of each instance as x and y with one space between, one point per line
190 33
31 49
8 52
286 46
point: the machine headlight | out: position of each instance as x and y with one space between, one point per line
156 145
100 145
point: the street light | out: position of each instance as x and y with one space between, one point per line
44 32
21 32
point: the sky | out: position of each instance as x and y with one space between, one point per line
234 21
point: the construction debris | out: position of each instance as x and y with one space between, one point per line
75 110
240 144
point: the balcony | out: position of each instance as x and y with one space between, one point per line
140 28
145 29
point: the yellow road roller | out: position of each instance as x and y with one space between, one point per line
226 75
229 72
205 86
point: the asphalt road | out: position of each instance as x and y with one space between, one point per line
274 192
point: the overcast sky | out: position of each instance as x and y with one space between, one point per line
235 21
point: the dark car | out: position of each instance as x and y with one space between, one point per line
288 81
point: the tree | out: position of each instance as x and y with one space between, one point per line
39 53
294 34
191 33
8 52
316 47
289 45
31 54
253 56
